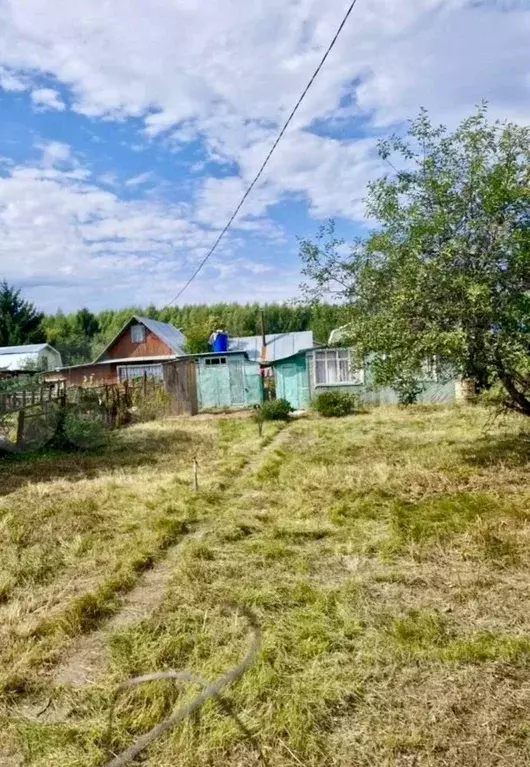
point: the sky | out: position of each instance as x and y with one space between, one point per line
129 130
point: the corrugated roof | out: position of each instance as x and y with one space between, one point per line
23 348
15 362
166 332
278 345
338 335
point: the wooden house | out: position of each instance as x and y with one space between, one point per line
140 348
303 376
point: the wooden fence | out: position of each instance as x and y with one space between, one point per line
11 402
180 383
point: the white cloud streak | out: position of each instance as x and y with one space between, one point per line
47 98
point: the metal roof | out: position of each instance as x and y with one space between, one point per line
16 358
24 349
166 332
130 360
338 335
174 338
278 345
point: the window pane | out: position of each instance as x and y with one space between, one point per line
137 334
320 371
332 369
344 370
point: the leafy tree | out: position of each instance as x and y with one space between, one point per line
446 274
86 324
20 321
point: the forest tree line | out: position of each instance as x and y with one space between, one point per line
80 336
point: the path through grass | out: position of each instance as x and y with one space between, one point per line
386 557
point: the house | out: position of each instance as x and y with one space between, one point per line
140 348
304 375
28 358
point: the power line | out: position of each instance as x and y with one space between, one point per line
269 155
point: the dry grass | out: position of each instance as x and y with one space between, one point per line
386 556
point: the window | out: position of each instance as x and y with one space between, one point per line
429 369
215 361
129 372
137 334
334 367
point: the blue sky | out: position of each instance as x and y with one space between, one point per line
129 130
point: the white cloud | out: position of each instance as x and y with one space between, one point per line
228 78
56 153
47 98
10 82
82 244
139 180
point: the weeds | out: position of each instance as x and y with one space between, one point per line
384 557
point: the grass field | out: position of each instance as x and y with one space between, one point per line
385 555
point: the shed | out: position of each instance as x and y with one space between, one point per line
17 359
227 380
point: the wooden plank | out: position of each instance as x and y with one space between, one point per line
20 426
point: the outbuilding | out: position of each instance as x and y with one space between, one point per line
227 380
28 358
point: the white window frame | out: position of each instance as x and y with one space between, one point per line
137 330
212 361
355 375
130 372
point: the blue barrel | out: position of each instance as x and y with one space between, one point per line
220 343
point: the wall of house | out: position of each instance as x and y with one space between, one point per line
236 383
48 359
80 376
124 347
441 392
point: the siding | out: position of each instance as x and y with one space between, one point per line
78 376
441 392
124 348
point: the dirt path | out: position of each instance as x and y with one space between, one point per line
88 659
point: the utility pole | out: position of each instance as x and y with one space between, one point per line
263 357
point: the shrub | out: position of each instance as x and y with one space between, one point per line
84 431
276 410
334 404
408 390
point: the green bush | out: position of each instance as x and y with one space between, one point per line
334 404
276 410
84 431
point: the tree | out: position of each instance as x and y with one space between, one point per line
73 335
20 321
86 324
446 274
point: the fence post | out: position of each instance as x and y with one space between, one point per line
21 417
195 475
145 384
